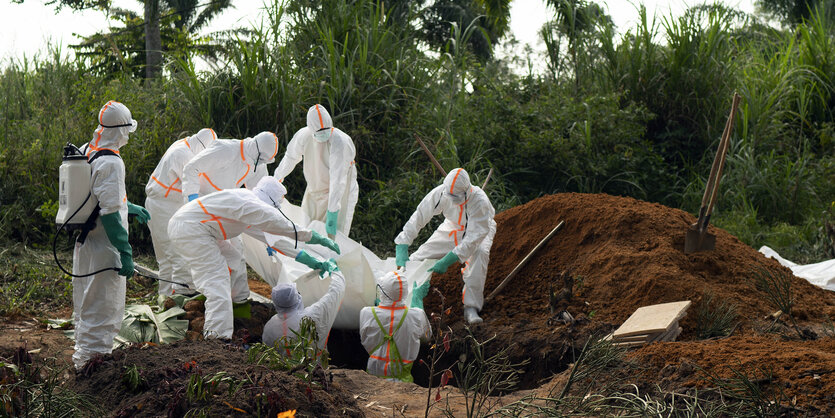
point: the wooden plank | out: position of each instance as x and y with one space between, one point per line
640 340
637 338
669 335
652 319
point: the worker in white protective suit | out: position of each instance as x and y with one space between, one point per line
391 332
290 310
201 231
465 236
329 170
164 193
228 164
99 299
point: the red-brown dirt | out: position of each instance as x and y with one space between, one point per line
623 253
801 373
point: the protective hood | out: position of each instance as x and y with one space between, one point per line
457 185
115 123
261 148
286 298
393 289
319 122
270 191
201 140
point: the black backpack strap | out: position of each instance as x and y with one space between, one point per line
90 224
101 153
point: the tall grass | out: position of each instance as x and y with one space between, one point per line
644 120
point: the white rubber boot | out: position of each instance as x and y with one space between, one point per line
471 315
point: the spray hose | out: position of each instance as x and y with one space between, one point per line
58 263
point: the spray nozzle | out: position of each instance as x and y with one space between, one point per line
70 150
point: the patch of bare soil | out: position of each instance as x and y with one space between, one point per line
798 373
621 254
36 339
210 375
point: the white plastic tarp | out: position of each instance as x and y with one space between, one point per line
819 274
358 264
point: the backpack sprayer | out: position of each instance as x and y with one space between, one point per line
78 207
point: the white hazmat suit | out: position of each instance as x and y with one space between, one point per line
200 232
467 232
99 300
391 332
228 164
329 170
290 310
164 193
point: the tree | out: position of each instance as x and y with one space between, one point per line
437 17
790 12
76 4
574 20
137 46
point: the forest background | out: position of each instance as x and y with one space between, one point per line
635 112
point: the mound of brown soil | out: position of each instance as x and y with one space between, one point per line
172 379
623 254
790 372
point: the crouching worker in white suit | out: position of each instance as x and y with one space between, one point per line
391 332
165 196
465 236
200 231
290 310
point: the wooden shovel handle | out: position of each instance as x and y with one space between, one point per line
431 157
523 262
729 127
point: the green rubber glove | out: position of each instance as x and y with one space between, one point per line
324 241
313 263
330 222
418 293
332 264
118 236
401 254
141 213
443 264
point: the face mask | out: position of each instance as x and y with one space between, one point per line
322 135
456 199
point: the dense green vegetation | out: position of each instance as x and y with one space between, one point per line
638 114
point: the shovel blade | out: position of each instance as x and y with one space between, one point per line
695 241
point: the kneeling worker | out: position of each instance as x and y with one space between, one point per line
290 310
202 228
391 332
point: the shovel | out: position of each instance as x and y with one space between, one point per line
697 238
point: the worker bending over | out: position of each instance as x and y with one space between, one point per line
165 196
229 164
200 232
391 332
465 236
329 170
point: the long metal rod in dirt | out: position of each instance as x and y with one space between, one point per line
431 157
523 262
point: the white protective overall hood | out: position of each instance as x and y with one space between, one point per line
457 186
319 122
115 123
393 289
